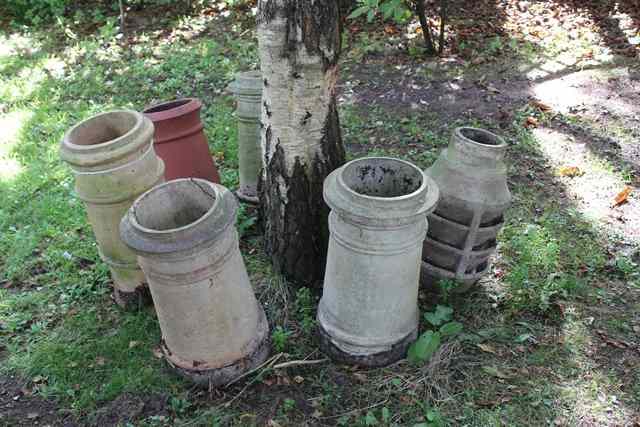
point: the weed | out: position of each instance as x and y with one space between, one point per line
280 338
429 342
288 405
179 406
306 309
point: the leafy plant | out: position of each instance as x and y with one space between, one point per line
35 11
432 416
439 316
244 221
178 405
429 342
288 404
400 11
447 287
279 338
305 309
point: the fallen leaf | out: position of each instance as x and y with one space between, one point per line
540 106
32 415
570 171
487 348
390 29
100 361
298 379
531 122
622 197
133 343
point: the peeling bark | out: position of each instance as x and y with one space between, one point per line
299 44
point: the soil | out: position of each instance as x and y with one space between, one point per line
20 405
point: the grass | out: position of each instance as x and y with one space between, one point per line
529 353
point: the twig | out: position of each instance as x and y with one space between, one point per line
299 362
271 360
353 411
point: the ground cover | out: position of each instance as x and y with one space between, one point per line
551 336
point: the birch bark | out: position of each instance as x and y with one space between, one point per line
299 44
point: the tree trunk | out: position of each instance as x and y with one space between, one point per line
299 43
426 30
443 21
123 30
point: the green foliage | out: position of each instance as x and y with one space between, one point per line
35 11
433 418
244 221
439 316
424 347
178 405
288 405
373 418
390 9
450 329
447 288
305 310
280 338
429 342
550 259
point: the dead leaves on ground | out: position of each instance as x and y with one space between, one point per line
540 106
613 343
622 197
531 122
570 171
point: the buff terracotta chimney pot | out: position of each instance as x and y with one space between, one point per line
180 140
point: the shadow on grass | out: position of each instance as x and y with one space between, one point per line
532 353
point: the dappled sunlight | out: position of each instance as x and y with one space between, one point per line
24 82
578 89
594 185
589 393
9 169
11 125
16 43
